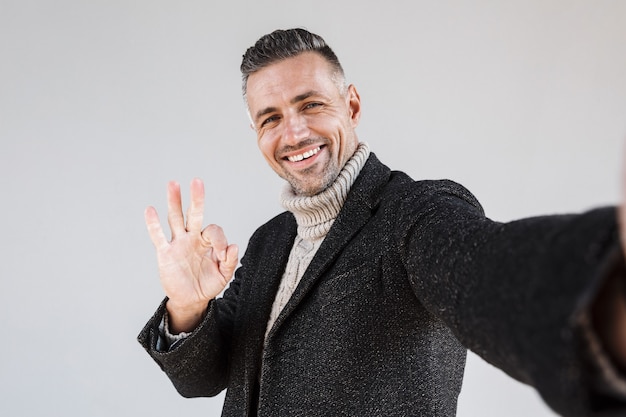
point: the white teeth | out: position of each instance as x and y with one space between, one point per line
308 154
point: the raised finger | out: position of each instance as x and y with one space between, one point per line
154 228
196 208
174 209
214 236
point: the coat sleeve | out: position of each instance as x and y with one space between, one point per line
518 294
198 364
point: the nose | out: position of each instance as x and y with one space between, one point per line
295 128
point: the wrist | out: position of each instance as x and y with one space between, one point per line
184 318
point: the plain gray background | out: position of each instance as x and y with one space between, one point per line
103 102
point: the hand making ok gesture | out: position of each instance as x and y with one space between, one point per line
196 264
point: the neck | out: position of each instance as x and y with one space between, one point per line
316 214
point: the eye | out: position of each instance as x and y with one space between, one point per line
312 105
269 120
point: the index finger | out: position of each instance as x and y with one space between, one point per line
215 237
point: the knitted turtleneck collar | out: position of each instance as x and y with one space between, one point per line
316 214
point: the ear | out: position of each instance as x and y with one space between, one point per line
354 105
250 117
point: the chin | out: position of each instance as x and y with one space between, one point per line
323 179
303 192
309 190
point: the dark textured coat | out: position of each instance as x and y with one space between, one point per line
410 274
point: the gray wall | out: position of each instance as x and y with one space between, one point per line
103 102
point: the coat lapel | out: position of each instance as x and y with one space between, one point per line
259 298
263 290
356 212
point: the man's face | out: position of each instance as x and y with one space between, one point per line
304 124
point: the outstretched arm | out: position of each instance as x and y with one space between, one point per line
196 264
609 310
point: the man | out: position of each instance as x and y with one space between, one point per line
361 298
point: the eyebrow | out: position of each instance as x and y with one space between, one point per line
296 99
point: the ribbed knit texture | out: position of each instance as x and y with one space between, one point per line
314 215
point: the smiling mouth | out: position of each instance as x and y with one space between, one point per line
305 155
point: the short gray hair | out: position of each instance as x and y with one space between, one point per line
283 44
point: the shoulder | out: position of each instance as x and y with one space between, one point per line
403 190
394 185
